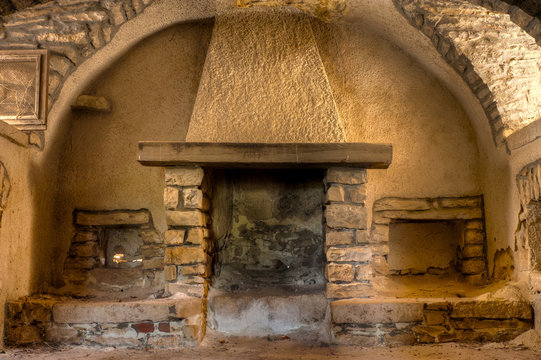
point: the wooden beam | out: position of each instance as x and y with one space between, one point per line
258 155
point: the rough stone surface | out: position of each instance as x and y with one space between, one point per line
351 290
186 218
183 176
492 310
375 312
345 216
236 109
354 253
81 312
340 272
112 218
174 237
348 176
182 255
171 198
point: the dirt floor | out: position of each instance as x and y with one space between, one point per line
244 348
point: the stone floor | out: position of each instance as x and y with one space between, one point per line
285 348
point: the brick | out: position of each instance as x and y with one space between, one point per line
492 309
350 176
345 216
143 327
473 266
473 251
185 218
352 290
196 236
474 237
171 198
380 265
170 272
194 199
434 317
183 255
474 225
354 253
89 249
151 237
361 236
184 176
83 236
340 272
363 272
150 251
164 327
153 263
461 202
396 204
356 194
174 237
199 269
335 193
333 237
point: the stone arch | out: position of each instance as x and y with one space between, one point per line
502 72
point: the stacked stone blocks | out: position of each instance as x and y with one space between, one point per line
469 210
408 321
348 254
187 255
137 324
87 249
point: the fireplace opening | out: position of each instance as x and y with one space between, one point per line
420 247
268 226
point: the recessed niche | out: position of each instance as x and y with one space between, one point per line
420 246
123 248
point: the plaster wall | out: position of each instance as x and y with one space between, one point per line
26 225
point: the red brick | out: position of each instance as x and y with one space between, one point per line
164 327
143 327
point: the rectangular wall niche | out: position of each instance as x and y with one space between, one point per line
418 247
413 236
114 254
269 229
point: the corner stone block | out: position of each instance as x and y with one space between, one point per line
170 198
333 237
184 176
186 218
183 255
194 199
174 237
473 266
340 272
345 216
335 193
344 175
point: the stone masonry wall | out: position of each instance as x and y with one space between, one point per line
494 48
348 255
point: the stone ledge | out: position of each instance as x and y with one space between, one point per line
363 311
84 312
111 218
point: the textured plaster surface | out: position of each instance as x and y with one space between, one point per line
264 81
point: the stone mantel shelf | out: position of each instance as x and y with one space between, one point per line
264 155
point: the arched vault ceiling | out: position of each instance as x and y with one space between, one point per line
493 45
499 60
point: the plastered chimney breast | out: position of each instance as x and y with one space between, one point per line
264 81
